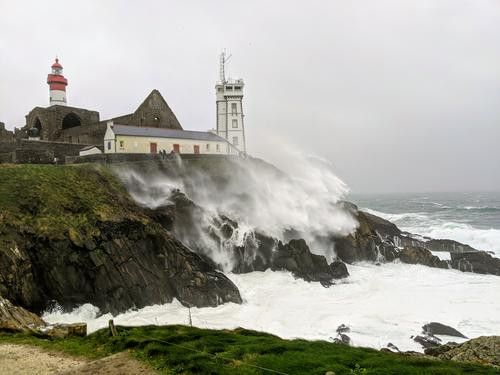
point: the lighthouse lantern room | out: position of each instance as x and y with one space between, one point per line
57 84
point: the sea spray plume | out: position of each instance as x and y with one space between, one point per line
232 203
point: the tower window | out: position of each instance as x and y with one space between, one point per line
235 141
109 145
235 123
237 87
234 108
229 88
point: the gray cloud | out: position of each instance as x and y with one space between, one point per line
399 95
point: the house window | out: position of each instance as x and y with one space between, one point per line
207 146
109 145
229 88
235 123
217 147
237 87
235 141
234 109
122 144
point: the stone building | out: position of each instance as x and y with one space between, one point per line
62 123
61 130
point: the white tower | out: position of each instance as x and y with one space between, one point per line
230 108
57 84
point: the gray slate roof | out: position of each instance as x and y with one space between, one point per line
165 133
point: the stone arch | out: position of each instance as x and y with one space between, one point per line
70 121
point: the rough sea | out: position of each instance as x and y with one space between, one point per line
381 304
471 218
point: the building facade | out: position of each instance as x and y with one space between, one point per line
144 140
229 108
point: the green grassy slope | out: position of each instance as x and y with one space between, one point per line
57 200
186 350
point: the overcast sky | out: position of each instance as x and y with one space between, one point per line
399 95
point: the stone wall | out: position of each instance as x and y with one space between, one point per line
127 158
50 122
44 152
5 135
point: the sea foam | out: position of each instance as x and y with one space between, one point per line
423 225
380 304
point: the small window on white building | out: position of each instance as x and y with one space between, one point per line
207 147
109 145
235 123
234 108
235 141
217 147
122 144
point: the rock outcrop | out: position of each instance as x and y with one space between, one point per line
435 328
378 240
419 255
296 257
207 234
476 261
483 350
17 319
73 235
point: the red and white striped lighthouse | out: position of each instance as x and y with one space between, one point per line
57 84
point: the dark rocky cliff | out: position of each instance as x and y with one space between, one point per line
72 235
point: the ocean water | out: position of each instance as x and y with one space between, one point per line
380 304
471 218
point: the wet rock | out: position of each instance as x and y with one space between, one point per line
435 328
393 347
343 329
296 257
477 261
419 255
342 339
449 246
373 240
338 269
483 350
427 341
66 330
17 319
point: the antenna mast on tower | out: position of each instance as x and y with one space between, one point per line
222 68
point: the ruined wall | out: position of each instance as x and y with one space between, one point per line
44 152
5 135
154 112
50 122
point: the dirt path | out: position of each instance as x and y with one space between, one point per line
29 360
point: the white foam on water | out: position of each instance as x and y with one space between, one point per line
380 304
421 224
443 255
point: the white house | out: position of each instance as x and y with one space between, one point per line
143 140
